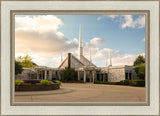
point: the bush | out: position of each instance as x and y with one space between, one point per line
18 67
46 82
137 83
57 81
140 83
140 70
126 82
69 74
102 82
73 81
18 83
133 82
122 82
31 81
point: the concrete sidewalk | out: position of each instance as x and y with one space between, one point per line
74 92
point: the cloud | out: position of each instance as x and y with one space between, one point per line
127 20
143 40
125 59
109 16
95 42
39 34
99 18
112 16
39 37
40 23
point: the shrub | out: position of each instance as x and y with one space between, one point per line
137 83
133 82
122 82
57 81
18 83
31 81
102 82
18 67
73 81
126 82
69 74
140 70
46 82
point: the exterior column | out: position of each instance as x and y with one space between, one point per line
59 76
132 75
90 76
100 76
41 74
128 74
45 74
93 75
78 75
103 77
50 75
84 77
30 74
37 75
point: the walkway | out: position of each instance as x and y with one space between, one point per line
85 92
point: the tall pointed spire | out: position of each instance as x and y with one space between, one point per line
61 57
80 44
90 55
106 60
110 58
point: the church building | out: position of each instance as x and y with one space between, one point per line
86 70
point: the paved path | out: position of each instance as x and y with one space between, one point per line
85 92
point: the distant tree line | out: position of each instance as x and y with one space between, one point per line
139 65
21 62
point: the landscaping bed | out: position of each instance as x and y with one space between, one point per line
139 83
72 81
37 87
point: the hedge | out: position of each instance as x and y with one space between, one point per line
46 82
137 83
124 82
18 83
102 82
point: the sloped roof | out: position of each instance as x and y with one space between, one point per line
77 63
86 62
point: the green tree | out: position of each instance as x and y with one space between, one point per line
139 60
18 67
26 61
69 74
140 70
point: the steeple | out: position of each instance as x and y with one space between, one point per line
61 57
80 44
106 60
90 55
110 58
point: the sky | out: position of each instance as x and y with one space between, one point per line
48 37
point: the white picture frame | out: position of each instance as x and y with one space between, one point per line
6 57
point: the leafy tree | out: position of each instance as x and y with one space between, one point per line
26 61
139 60
69 74
18 67
140 70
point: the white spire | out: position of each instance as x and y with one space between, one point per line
61 57
110 58
106 60
80 44
90 55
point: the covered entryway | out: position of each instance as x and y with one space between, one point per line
89 73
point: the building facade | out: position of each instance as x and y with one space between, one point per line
86 70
